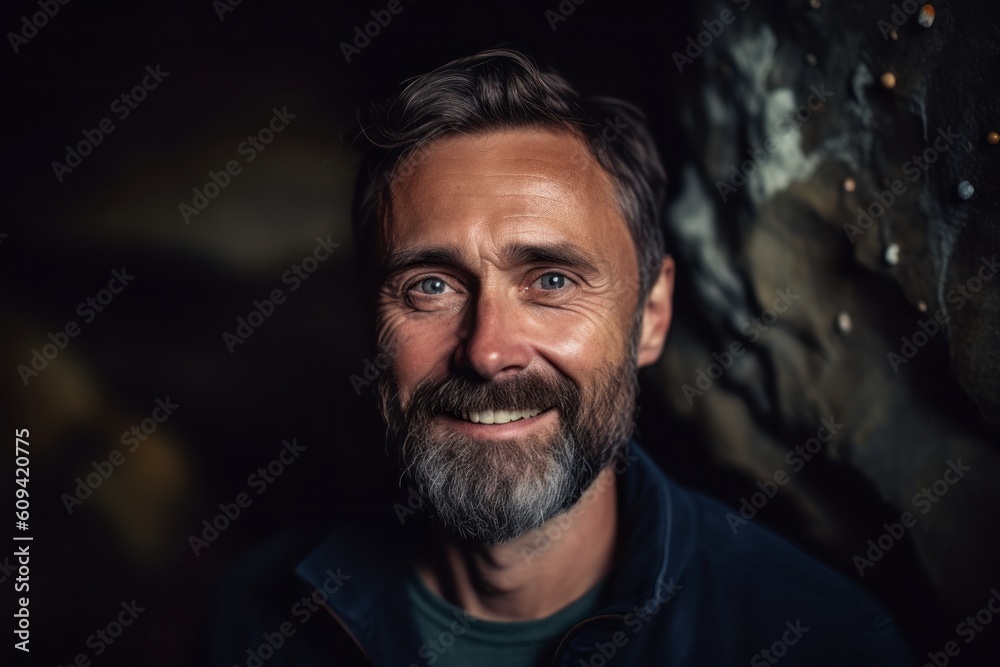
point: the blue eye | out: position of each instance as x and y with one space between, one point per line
552 281
431 286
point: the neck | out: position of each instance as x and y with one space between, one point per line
536 574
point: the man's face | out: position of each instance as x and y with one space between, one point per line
508 313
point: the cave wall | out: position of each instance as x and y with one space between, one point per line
832 148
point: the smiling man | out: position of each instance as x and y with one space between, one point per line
510 297
514 228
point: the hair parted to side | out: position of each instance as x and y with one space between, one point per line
503 89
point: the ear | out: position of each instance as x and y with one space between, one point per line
656 314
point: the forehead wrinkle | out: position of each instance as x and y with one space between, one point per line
561 179
574 161
505 185
562 164
551 208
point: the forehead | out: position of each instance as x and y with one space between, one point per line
500 184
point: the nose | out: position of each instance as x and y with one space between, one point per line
494 340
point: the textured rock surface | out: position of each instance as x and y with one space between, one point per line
763 206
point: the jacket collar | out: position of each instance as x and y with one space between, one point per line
655 535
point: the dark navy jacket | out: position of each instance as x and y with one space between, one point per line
685 591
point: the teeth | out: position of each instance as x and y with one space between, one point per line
498 416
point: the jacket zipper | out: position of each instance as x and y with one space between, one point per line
350 634
562 642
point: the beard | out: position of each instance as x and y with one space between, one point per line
494 490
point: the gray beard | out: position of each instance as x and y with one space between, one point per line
494 491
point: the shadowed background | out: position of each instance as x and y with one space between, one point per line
718 95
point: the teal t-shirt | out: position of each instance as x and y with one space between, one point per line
453 638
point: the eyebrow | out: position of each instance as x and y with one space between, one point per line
515 254
563 254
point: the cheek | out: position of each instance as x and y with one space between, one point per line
569 337
419 347
590 335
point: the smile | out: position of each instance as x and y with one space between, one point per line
498 416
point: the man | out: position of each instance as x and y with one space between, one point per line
515 231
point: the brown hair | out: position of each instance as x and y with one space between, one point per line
503 89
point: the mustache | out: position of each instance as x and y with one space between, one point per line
455 394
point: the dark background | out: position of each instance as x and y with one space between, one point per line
162 336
